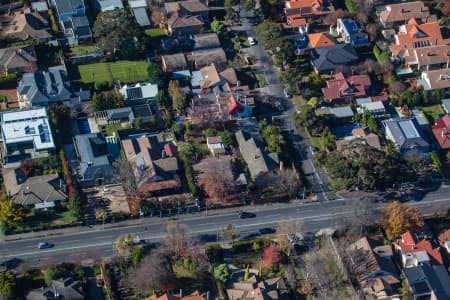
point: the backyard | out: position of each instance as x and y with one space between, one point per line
432 112
83 49
123 70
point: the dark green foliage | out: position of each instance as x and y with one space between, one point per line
419 97
436 161
107 100
210 132
227 138
137 254
155 74
9 81
7 285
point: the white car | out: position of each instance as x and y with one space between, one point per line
251 41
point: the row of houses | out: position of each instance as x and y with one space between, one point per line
420 260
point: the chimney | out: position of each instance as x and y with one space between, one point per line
281 166
181 293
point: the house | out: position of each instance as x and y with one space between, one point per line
106 5
28 24
48 87
185 17
18 60
210 77
40 192
202 58
441 131
40 6
404 134
342 112
215 145
352 32
64 288
416 35
121 115
359 135
139 11
299 11
251 146
73 20
139 93
392 15
321 39
154 162
444 240
373 262
26 134
95 159
206 41
375 108
256 288
414 251
428 282
428 58
346 88
435 79
194 296
173 62
325 60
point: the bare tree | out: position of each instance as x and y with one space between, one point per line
229 232
154 274
285 229
331 19
373 29
397 87
362 213
175 238
216 178
285 182
125 174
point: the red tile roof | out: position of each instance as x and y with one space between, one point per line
409 244
321 39
235 106
445 236
441 132
171 150
339 87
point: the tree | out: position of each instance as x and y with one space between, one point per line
274 139
436 161
124 173
227 138
74 206
362 213
216 178
397 87
154 273
231 14
269 34
7 285
137 254
10 213
115 32
124 243
285 229
221 273
178 96
155 74
247 273
161 99
271 256
350 6
26 166
405 290
229 232
306 117
175 238
158 17
210 132
107 100
51 273
398 218
217 26
139 123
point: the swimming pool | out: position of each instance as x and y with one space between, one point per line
83 126
345 130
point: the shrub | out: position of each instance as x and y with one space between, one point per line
8 81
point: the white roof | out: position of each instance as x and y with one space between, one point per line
137 3
39 6
373 106
106 5
30 125
139 91
141 16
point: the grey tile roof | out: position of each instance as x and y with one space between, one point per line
80 22
446 105
405 134
120 113
141 16
38 189
206 41
326 59
68 6
44 87
426 278
18 57
67 288
342 112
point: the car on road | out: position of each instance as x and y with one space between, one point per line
251 41
266 230
246 215
45 245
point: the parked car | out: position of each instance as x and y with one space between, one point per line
251 41
246 215
287 94
266 230
313 150
45 245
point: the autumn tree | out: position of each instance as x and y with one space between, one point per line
216 178
178 96
175 238
286 228
154 273
271 256
398 218
124 243
10 213
158 17
26 166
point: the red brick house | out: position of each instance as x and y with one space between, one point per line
414 251
441 132
346 88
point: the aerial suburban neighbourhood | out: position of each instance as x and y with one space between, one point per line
224 149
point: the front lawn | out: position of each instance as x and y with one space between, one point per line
432 112
155 33
123 70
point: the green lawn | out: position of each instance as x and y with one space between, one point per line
155 33
2 98
110 129
123 70
432 112
82 49
66 217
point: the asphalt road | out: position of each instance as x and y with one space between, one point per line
99 243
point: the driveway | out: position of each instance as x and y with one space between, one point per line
316 175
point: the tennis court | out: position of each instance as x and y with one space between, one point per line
123 70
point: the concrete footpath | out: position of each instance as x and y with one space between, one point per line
147 220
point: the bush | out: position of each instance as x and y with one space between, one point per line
215 253
8 81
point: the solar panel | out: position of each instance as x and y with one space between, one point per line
44 133
134 93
